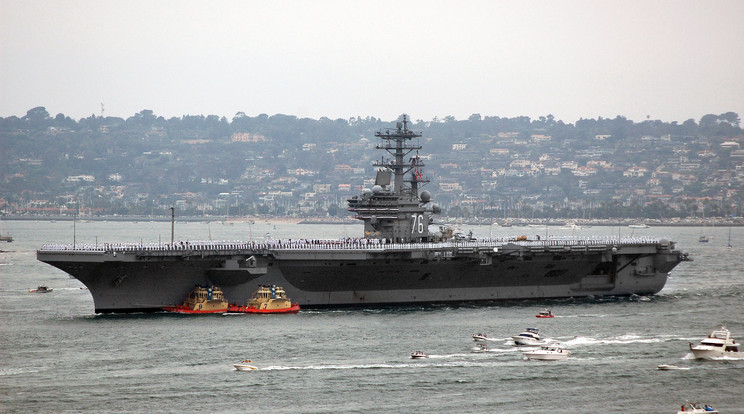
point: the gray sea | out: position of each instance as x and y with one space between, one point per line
57 355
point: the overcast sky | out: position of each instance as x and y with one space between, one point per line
669 60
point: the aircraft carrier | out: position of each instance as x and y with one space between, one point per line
396 260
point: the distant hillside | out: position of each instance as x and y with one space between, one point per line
284 165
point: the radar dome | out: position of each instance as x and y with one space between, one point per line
436 209
425 196
377 189
366 192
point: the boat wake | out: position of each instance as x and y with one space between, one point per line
17 371
420 363
622 339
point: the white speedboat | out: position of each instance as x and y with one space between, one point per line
696 407
480 337
418 355
530 336
548 353
667 367
718 344
245 365
479 348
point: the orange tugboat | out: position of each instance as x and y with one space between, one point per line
267 299
545 314
202 300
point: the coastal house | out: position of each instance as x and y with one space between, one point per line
321 188
450 187
540 138
247 137
635 171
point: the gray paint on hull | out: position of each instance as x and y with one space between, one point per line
130 283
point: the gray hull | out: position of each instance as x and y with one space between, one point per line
138 279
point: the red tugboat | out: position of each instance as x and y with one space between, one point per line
545 314
202 300
267 299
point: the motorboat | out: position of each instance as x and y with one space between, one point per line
418 355
719 343
531 336
267 299
41 289
480 337
245 365
545 313
639 226
668 367
547 353
479 347
696 407
202 300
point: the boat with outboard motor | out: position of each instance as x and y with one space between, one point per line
696 408
202 300
245 365
547 353
669 367
41 289
396 260
479 347
718 344
480 337
530 336
267 299
418 355
546 313
6 238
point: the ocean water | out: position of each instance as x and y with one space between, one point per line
56 355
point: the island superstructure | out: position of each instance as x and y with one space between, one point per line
396 260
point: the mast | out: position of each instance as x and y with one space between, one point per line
397 144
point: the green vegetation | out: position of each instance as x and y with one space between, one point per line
483 166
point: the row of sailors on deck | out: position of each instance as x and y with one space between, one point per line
221 245
348 242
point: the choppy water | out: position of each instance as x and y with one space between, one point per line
56 355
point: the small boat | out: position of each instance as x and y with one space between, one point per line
202 300
479 347
719 343
545 313
531 336
418 355
480 337
267 299
7 238
548 353
696 407
639 226
666 367
41 289
245 365
703 238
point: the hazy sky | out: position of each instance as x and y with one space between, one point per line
670 60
